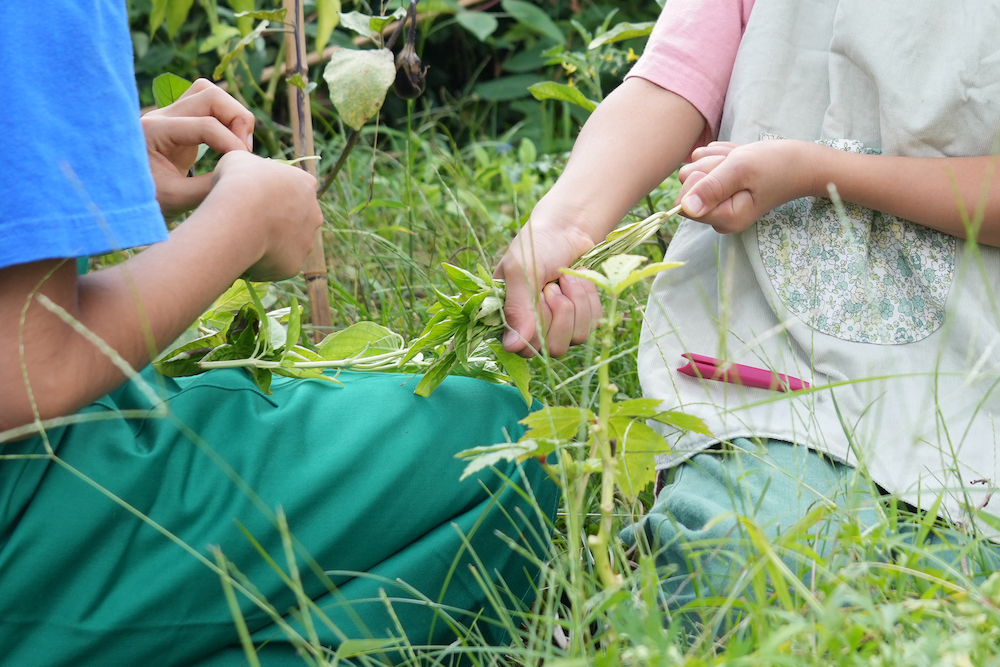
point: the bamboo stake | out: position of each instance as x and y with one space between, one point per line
299 112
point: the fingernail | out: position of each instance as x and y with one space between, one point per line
510 338
250 143
693 205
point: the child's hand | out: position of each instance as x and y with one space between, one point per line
730 187
567 307
204 114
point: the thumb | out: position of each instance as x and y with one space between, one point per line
707 190
518 313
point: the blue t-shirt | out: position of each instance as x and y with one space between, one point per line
74 175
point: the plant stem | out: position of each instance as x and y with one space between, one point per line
606 390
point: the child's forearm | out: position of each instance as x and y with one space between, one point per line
929 191
634 140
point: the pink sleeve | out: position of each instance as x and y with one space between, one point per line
691 53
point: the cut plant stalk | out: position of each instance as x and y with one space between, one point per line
315 271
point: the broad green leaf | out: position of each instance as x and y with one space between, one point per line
242 332
480 458
637 407
221 34
618 268
621 32
327 18
683 421
557 423
550 90
464 280
645 272
358 22
592 276
516 367
506 88
157 13
432 337
358 341
183 361
276 15
167 89
244 20
450 304
534 18
379 23
480 24
237 296
436 374
177 13
526 151
637 447
262 376
358 83
238 49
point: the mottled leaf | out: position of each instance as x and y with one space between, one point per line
358 82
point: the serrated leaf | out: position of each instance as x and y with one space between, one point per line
533 18
327 18
516 367
637 407
168 88
480 24
618 268
358 22
359 341
621 32
683 421
557 423
379 23
550 90
481 458
637 447
358 82
645 272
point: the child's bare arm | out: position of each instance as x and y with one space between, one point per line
730 187
634 140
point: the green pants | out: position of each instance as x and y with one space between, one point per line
365 474
712 523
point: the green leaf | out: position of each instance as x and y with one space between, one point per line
242 333
244 20
464 280
167 89
353 648
238 49
592 276
645 272
276 15
294 326
236 297
516 367
306 374
358 22
262 376
183 361
358 82
637 447
358 341
557 423
433 336
683 421
550 90
481 458
526 151
621 32
177 13
327 18
436 374
157 13
506 88
221 34
379 23
618 268
534 18
646 408
480 24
